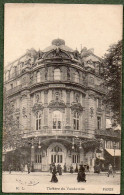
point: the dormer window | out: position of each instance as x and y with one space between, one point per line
57 74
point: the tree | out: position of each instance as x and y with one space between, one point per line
112 74
12 137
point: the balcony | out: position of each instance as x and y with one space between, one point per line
108 133
47 132
16 89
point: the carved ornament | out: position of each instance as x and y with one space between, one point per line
37 107
57 104
75 106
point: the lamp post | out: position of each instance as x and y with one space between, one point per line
114 147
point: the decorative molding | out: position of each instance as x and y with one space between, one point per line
57 104
37 107
91 112
91 95
76 107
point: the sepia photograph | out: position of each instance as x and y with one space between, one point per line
62 98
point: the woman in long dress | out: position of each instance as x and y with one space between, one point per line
81 177
54 172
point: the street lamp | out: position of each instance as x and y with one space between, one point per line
114 147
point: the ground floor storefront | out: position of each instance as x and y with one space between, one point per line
41 155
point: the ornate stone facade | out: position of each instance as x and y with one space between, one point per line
59 96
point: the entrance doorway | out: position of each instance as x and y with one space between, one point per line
57 154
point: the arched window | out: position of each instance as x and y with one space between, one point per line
76 121
57 120
76 77
57 74
38 77
38 121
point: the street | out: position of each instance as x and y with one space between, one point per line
67 183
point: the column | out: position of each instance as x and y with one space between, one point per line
45 108
32 158
82 160
68 108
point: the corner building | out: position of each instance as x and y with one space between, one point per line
57 95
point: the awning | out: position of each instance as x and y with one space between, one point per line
111 152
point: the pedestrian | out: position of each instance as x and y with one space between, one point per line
50 168
65 168
54 179
81 177
71 169
76 169
110 170
60 170
22 168
29 167
87 168
58 167
10 168
97 168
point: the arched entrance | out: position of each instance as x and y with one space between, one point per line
56 154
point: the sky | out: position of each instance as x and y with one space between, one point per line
29 26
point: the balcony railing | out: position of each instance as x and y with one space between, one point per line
108 133
14 89
48 132
17 88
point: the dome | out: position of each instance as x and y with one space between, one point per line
58 42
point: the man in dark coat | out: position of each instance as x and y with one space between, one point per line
81 177
71 169
60 170
58 167
10 168
29 167
54 172
65 168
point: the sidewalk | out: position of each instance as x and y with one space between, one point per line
48 173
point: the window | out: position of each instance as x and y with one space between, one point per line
75 158
57 149
57 74
98 122
108 144
99 103
76 77
11 85
38 77
38 158
38 121
76 121
57 120
56 158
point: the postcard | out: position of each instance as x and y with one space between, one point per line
62 98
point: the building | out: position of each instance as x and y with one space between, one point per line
57 96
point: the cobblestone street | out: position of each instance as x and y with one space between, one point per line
40 182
